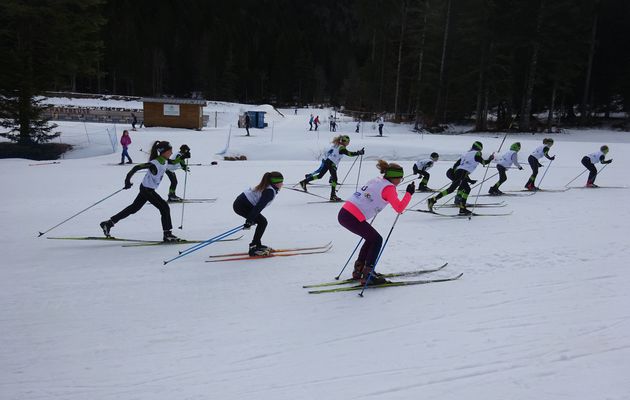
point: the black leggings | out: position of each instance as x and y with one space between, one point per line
533 162
460 180
502 176
152 197
325 166
591 169
242 207
173 178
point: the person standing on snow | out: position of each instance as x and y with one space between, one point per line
184 154
537 154
247 122
310 122
125 141
381 122
316 122
589 162
461 171
421 168
366 204
250 204
156 167
329 163
505 161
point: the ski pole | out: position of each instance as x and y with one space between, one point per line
347 173
581 173
427 196
543 177
198 246
181 225
80 212
405 177
486 172
356 187
474 186
352 254
367 281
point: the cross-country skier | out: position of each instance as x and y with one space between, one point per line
537 154
158 163
505 161
364 205
329 163
184 153
421 168
589 162
250 204
461 170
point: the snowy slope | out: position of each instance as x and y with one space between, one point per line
541 311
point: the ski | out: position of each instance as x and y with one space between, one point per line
464 216
302 191
274 254
509 194
387 275
599 187
105 238
539 190
384 285
324 201
45 163
183 241
211 200
499 204
295 249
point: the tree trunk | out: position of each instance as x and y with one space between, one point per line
420 64
438 99
552 105
400 49
526 104
481 123
587 83
382 80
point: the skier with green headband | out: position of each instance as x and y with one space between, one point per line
461 170
505 161
329 163
250 204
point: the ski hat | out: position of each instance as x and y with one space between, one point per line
394 171
548 141
435 156
515 146
477 146
184 147
345 139
276 177
163 147
604 149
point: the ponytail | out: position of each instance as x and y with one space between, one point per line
382 166
390 170
153 154
269 178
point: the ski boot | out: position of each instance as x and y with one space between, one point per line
494 191
169 237
430 203
358 270
333 197
303 185
375 279
590 184
463 211
130 161
258 250
106 226
173 198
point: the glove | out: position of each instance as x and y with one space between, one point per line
361 152
520 168
247 224
411 189
552 158
491 157
609 161
128 185
472 181
185 154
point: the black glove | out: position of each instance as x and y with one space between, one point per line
491 157
128 185
361 152
411 189
247 224
552 158
415 169
608 162
520 168
185 154
472 181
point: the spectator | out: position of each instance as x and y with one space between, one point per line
134 121
310 122
125 141
247 123
316 122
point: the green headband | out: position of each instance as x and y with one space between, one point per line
277 179
394 173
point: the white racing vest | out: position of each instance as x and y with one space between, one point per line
539 152
508 158
595 156
369 198
425 164
153 181
333 154
468 162
254 196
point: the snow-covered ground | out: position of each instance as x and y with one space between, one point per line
540 313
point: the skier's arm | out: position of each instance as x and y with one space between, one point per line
480 159
345 151
137 168
603 160
515 161
546 153
390 195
